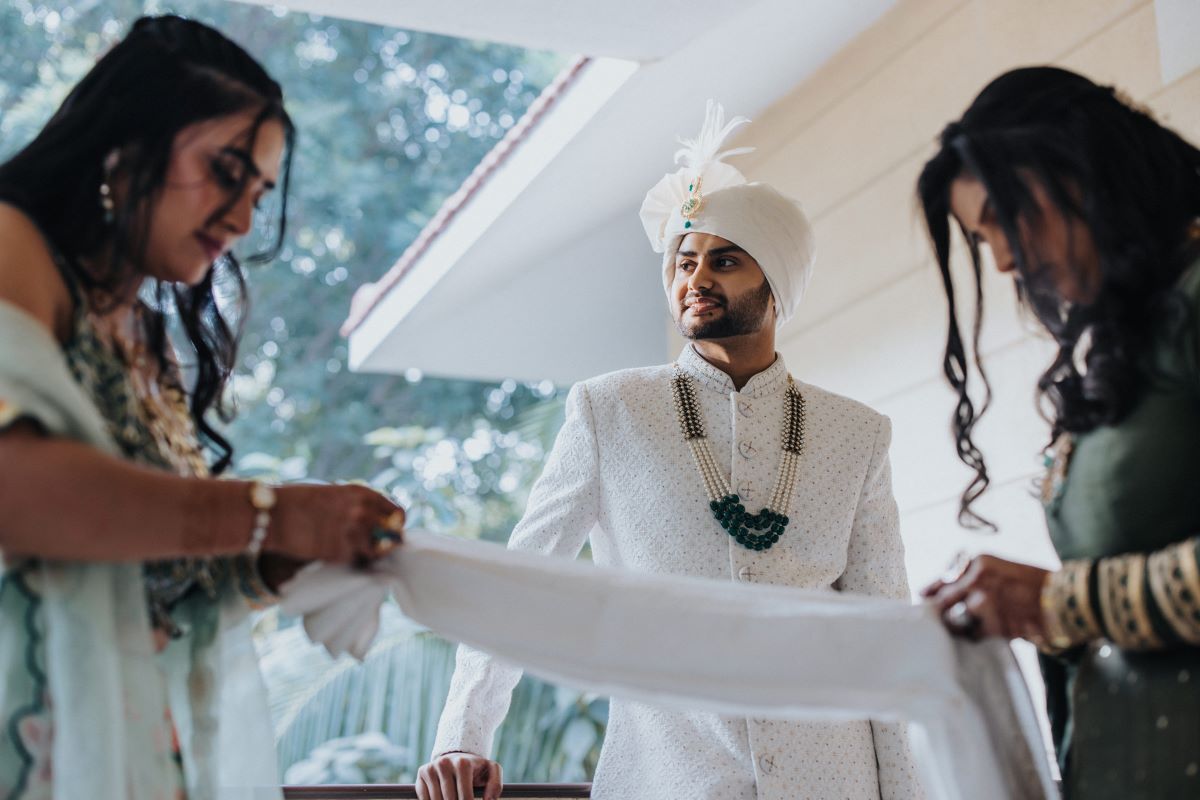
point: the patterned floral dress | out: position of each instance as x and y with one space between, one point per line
147 417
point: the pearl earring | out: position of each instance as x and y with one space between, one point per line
106 199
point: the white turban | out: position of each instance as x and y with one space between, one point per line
710 196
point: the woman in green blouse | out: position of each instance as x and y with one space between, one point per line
1094 209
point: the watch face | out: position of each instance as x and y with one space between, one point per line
262 496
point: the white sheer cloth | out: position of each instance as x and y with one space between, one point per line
707 645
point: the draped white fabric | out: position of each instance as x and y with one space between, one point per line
757 651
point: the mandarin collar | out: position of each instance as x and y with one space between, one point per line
771 380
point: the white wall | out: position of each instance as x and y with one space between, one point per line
849 143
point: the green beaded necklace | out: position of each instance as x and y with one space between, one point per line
753 531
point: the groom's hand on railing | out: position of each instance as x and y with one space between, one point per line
454 776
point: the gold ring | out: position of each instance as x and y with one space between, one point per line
394 522
960 618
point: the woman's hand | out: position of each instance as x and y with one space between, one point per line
336 524
991 597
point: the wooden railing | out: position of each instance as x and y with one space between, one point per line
512 791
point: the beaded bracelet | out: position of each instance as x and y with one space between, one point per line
262 498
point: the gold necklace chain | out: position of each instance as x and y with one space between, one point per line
1057 461
163 403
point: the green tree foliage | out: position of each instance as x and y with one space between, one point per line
390 123
550 733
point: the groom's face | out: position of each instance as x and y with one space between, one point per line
718 290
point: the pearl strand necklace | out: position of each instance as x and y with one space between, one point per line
753 531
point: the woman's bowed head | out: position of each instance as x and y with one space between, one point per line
128 204
151 169
1092 207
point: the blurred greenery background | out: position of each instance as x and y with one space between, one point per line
390 123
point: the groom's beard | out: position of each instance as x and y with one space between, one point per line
742 316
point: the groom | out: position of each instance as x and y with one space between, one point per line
718 466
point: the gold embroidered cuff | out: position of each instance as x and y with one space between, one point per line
1175 586
1067 607
1122 588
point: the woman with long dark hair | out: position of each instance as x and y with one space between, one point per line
1094 209
126 669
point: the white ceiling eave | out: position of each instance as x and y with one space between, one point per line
630 29
425 316
544 272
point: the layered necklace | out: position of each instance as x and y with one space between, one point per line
160 399
753 531
156 398
1057 461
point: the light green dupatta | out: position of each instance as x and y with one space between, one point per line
83 695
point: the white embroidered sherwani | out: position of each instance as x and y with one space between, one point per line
621 471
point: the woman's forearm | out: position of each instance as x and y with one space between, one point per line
64 500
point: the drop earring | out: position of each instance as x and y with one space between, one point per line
106 199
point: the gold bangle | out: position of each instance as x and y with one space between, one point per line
1067 607
1051 596
1085 620
1175 586
1191 576
1137 595
1123 602
1107 582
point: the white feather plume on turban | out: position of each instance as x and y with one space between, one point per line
766 224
